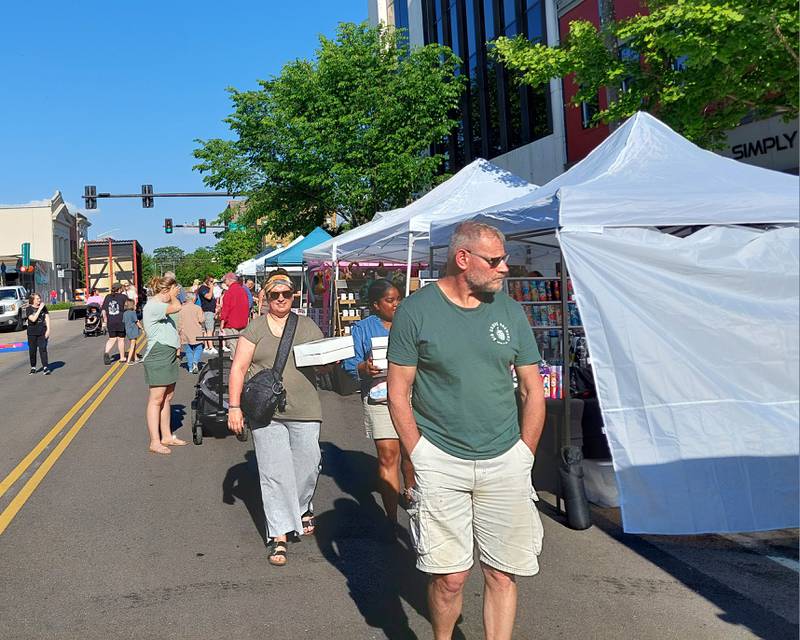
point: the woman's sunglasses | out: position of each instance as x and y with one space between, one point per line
286 295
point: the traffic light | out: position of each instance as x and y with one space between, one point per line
90 196
147 196
167 225
202 224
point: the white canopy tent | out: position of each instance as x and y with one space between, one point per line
255 265
401 235
693 339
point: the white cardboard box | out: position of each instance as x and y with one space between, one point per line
379 354
380 342
325 351
380 363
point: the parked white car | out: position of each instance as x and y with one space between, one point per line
13 301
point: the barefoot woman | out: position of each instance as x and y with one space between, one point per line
161 361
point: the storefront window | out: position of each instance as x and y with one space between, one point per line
510 17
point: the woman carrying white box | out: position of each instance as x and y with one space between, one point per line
370 341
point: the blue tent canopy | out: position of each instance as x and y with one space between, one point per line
293 255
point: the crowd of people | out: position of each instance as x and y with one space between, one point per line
455 442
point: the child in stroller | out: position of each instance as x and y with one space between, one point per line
93 323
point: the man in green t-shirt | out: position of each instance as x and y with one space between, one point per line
451 349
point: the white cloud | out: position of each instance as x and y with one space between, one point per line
33 203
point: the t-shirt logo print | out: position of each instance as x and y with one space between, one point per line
113 308
499 333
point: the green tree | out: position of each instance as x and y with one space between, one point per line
167 258
234 247
197 265
347 133
701 66
149 268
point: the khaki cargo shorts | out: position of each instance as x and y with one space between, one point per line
490 501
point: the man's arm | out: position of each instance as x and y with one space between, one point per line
531 393
399 381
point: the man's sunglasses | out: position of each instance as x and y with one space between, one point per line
492 262
286 295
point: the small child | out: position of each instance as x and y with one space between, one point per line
133 329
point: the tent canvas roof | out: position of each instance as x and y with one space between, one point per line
385 237
292 254
646 174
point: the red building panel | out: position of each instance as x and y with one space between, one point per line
581 141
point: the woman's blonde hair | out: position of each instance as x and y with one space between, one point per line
162 284
129 306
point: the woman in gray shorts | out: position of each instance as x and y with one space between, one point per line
384 299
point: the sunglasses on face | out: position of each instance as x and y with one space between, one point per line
286 295
492 262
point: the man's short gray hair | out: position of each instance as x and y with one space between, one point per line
467 233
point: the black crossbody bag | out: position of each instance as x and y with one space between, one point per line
264 394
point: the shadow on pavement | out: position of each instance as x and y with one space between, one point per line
241 482
58 364
355 537
738 609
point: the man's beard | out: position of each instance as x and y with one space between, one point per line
484 285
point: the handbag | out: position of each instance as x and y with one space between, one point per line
264 394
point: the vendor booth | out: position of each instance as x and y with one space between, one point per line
683 284
401 235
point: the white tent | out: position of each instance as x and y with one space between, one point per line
401 235
693 339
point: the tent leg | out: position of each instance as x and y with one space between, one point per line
408 262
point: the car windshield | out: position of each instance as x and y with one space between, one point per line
8 294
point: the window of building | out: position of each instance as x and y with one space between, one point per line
588 111
510 18
628 56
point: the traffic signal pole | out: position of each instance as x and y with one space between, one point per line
91 195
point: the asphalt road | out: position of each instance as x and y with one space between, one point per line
114 542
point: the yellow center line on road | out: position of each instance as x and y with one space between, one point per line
30 486
28 460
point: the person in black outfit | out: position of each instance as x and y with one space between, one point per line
113 310
38 332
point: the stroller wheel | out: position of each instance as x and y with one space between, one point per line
197 434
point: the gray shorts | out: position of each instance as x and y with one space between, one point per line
377 422
491 502
208 321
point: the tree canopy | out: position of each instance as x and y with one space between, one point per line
701 66
348 132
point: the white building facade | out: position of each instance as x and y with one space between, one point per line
52 232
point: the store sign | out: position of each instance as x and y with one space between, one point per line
772 144
60 273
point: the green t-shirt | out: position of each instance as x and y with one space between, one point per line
302 399
463 396
158 326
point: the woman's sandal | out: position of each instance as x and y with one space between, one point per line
276 554
309 524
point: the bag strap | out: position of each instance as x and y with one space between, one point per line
282 356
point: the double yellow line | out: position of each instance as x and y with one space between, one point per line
111 377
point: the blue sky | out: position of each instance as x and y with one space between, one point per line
114 94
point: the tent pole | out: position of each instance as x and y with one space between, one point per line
408 262
566 426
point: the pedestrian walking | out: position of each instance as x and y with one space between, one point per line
454 342
287 449
113 309
38 332
383 299
94 298
161 361
191 327
235 312
53 296
133 329
132 294
208 304
250 290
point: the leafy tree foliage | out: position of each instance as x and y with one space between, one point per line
347 133
234 247
702 65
